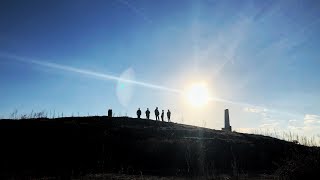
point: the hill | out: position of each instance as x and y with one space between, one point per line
78 146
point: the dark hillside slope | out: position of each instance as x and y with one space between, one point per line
82 145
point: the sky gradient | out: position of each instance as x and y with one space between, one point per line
260 58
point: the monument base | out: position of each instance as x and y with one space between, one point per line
227 129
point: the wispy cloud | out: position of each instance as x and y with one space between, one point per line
311 120
271 125
136 10
255 109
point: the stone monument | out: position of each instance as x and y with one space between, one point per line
227 126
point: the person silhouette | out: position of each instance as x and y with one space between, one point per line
148 113
162 115
156 112
168 115
139 113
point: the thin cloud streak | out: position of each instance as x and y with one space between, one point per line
135 10
111 77
87 72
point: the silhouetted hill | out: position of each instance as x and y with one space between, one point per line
90 145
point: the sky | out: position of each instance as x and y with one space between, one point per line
260 59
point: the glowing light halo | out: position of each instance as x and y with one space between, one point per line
124 91
197 94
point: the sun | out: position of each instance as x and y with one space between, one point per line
198 94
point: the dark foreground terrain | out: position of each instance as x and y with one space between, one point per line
102 148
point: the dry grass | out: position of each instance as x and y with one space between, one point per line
290 136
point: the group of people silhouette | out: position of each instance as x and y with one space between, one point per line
156 112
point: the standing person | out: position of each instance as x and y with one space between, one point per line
156 112
148 113
162 115
168 115
139 113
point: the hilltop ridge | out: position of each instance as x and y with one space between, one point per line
74 146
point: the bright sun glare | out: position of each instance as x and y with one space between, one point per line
197 94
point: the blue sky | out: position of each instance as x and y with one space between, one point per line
261 55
